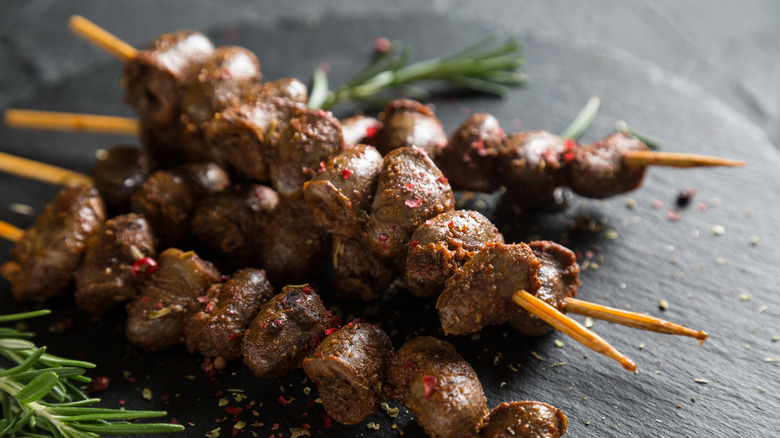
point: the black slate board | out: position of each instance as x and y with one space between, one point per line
723 284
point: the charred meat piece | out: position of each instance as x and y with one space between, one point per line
524 419
479 294
285 88
120 173
169 298
440 388
559 275
218 328
340 194
360 273
242 134
168 198
107 276
288 328
407 123
471 159
43 260
360 129
155 78
349 368
411 190
312 136
440 245
597 170
532 166
230 223
294 247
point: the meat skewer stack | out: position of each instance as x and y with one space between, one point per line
397 212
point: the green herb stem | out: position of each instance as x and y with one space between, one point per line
584 119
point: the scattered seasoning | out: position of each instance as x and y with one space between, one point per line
214 433
631 203
753 240
413 203
144 266
663 305
589 322
745 297
502 384
673 215
641 345
392 412
685 196
430 385
146 393
283 401
382 45
536 355
101 383
702 381
222 402
373 425
611 234
22 209
771 359
296 432
559 343
346 173
718 230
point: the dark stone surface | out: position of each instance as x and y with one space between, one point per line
701 77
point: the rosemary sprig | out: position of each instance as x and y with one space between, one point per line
38 397
487 66
652 144
584 119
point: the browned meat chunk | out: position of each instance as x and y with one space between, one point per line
559 274
106 278
218 328
524 419
154 82
168 299
242 134
440 388
360 273
350 368
411 190
43 260
479 294
341 193
120 173
312 136
168 198
287 329
360 130
471 158
597 170
230 223
532 166
441 245
407 123
285 88
155 78
294 247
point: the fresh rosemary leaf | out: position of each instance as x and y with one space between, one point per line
37 388
583 120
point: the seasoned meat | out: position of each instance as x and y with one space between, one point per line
168 198
411 190
360 273
524 419
532 166
43 260
287 329
242 134
440 388
285 88
169 298
349 368
106 278
340 194
154 83
294 247
471 159
407 123
120 173
230 223
479 294
597 170
155 78
312 136
360 130
441 245
218 328
559 275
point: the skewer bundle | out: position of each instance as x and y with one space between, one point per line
390 240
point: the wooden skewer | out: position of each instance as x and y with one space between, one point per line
39 171
563 323
101 38
631 319
675 159
10 232
18 118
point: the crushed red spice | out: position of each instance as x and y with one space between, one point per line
233 410
413 203
329 331
101 383
372 131
144 266
414 243
430 385
346 173
283 401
